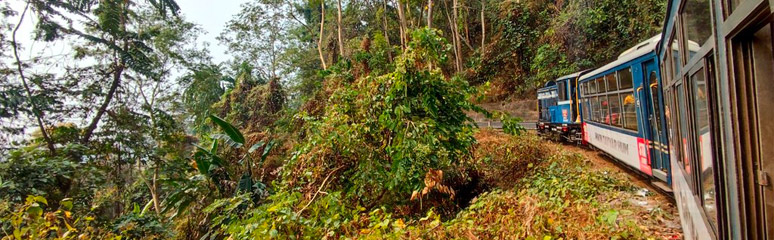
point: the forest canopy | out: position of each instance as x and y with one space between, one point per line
329 118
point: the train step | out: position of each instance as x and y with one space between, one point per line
662 186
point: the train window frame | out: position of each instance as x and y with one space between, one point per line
604 115
613 76
601 85
595 109
704 68
684 36
686 144
615 97
618 73
631 126
675 60
561 90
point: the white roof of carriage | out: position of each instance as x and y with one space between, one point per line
639 50
574 75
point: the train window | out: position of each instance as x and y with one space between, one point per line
595 108
683 139
615 110
585 108
604 111
625 78
706 162
601 88
697 25
562 89
612 84
592 86
676 62
629 111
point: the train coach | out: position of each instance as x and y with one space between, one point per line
688 108
718 71
559 115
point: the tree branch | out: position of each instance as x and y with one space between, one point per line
38 114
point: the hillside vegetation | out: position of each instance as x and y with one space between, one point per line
333 119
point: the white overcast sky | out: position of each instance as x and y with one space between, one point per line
212 16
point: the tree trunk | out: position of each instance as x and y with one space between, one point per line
102 108
456 32
403 29
429 13
319 41
386 30
154 191
341 43
37 112
483 26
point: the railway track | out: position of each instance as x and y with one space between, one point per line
499 125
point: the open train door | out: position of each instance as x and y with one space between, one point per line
753 79
657 138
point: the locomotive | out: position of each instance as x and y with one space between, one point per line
686 109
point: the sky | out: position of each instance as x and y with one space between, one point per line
211 15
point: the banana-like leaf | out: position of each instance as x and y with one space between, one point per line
232 132
256 147
245 184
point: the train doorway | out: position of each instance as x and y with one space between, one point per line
753 60
655 133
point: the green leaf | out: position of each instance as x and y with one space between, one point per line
245 184
256 146
67 204
35 211
147 206
229 129
41 199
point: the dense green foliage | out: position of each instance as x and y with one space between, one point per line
331 119
538 41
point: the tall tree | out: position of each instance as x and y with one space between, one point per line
36 111
338 21
402 21
429 13
110 27
483 25
254 36
321 35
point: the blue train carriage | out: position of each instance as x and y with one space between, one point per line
622 113
559 117
547 97
718 71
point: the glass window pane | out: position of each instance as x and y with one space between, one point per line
625 78
704 140
615 110
595 109
676 62
601 85
629 111
612 84
592 87
604 111
562 89
682 139
697 24
585 107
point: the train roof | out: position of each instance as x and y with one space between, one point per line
574 75
639 50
